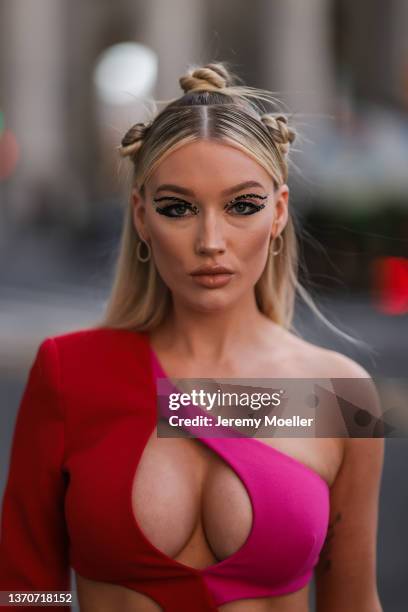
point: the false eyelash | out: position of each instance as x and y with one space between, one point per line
255 207
238 199
163 210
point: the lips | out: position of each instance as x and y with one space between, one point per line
210 270
212 281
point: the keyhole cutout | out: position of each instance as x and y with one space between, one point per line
185 510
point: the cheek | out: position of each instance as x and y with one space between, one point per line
253 248
170 247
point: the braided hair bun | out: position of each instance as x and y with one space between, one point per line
211 77
133 139
281 133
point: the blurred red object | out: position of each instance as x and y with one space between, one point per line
9 153
390 284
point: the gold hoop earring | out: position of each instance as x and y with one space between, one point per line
149 251
280 245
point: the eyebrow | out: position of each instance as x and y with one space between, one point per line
226 192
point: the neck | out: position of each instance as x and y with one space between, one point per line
212 335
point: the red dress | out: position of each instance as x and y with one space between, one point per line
77 428
87 412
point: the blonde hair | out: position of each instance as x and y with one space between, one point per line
214 106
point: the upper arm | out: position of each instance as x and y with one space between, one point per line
33 537
346 572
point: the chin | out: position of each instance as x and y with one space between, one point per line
209 303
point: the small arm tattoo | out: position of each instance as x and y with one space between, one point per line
327 546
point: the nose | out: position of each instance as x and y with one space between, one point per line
210 239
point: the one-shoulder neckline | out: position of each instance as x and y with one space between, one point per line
262 445
225 564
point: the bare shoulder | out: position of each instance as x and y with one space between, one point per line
311 360
337 365
321 362
351 381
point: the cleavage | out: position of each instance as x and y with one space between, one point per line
184 496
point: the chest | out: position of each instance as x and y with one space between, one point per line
186 494
145 502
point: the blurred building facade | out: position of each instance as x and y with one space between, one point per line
325 58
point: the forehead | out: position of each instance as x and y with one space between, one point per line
210 166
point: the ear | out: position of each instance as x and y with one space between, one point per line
280 216
139 213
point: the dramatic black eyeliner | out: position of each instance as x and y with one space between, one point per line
241 199
194 209
164 210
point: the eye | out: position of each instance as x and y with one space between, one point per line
176 210
241 205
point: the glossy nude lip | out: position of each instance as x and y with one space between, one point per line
212 281
211 269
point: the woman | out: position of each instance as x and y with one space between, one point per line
170 523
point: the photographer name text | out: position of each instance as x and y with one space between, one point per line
266 421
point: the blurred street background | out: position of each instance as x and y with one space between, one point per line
75 75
